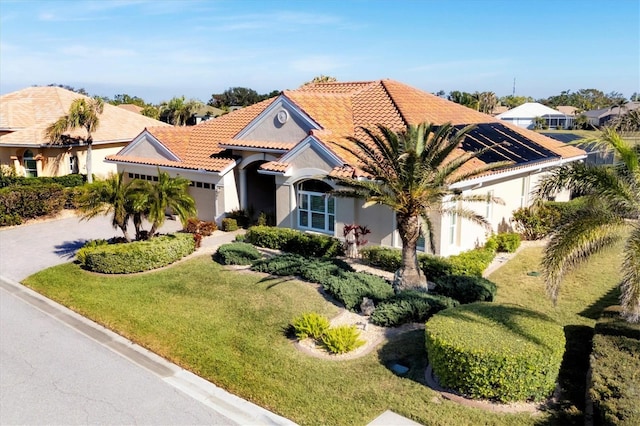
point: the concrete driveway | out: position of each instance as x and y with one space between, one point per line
57 367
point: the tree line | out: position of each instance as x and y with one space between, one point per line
180 110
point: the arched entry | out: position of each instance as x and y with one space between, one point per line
260 191
316 209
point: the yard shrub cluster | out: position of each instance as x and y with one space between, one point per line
67 181
237 254
337 340
202 227
615 366
504 242
534 223
137 256
410 306
18 203
293 241
466 289
337 278
472 262
229 224
498 352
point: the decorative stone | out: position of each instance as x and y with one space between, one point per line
367 306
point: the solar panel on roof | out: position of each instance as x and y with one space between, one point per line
513 146
563 137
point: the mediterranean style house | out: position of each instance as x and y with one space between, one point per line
26 113
277 156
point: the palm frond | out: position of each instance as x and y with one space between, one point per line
630 286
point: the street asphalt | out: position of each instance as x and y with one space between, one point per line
57 367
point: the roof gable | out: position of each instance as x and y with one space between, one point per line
529 110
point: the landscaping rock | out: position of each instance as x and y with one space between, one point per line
367 306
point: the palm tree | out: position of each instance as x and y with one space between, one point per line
178 111
411 172
167 194
83 113
613 206
112 196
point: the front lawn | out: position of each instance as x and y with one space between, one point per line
229 327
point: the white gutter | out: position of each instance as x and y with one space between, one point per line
478 182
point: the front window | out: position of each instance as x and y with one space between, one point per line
316 209
30 165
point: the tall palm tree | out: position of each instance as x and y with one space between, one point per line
83 113
167 194
411 172
111 196
613 207
178 111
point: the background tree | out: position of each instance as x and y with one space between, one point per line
512 101
71 88
127 99
320 79
83 113
488 101
613 206
411 172
178 111
463 98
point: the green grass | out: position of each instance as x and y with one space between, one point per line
231 328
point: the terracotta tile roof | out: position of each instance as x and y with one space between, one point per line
275 166
244 143
340 109
195 145
131 108
29 111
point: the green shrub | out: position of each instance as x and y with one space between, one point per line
534 223
81 254
229 224
508 242
472 262
495 351
409 306
351 287
318 271
281 265
434 266
28 202
342 339
67 181
237 254
615 363
293 241
310 325
241 216
138 256
466 289
386 258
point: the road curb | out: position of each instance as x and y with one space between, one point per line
229 405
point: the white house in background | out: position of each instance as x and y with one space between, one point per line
525 115
277 157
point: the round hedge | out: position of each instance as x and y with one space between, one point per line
237 254
137 256
494 351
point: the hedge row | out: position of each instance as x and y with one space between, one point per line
498 352
615 367
28 202
293 241
472 262
137 256
68 181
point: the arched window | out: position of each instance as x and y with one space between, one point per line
30 165
316 209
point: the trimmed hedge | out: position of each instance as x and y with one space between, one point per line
293 241
615 367
138 256
27 202
67 181
237 254
410 306
472 262
466 289
495 351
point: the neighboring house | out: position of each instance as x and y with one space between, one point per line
26 113
131 108
205 113
275 156
600 117
525 115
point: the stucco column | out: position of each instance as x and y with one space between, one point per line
16 164
242 178
39 159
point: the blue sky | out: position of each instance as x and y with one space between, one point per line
163 48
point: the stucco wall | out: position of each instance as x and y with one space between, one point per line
270 129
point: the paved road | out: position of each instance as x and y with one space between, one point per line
57 367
